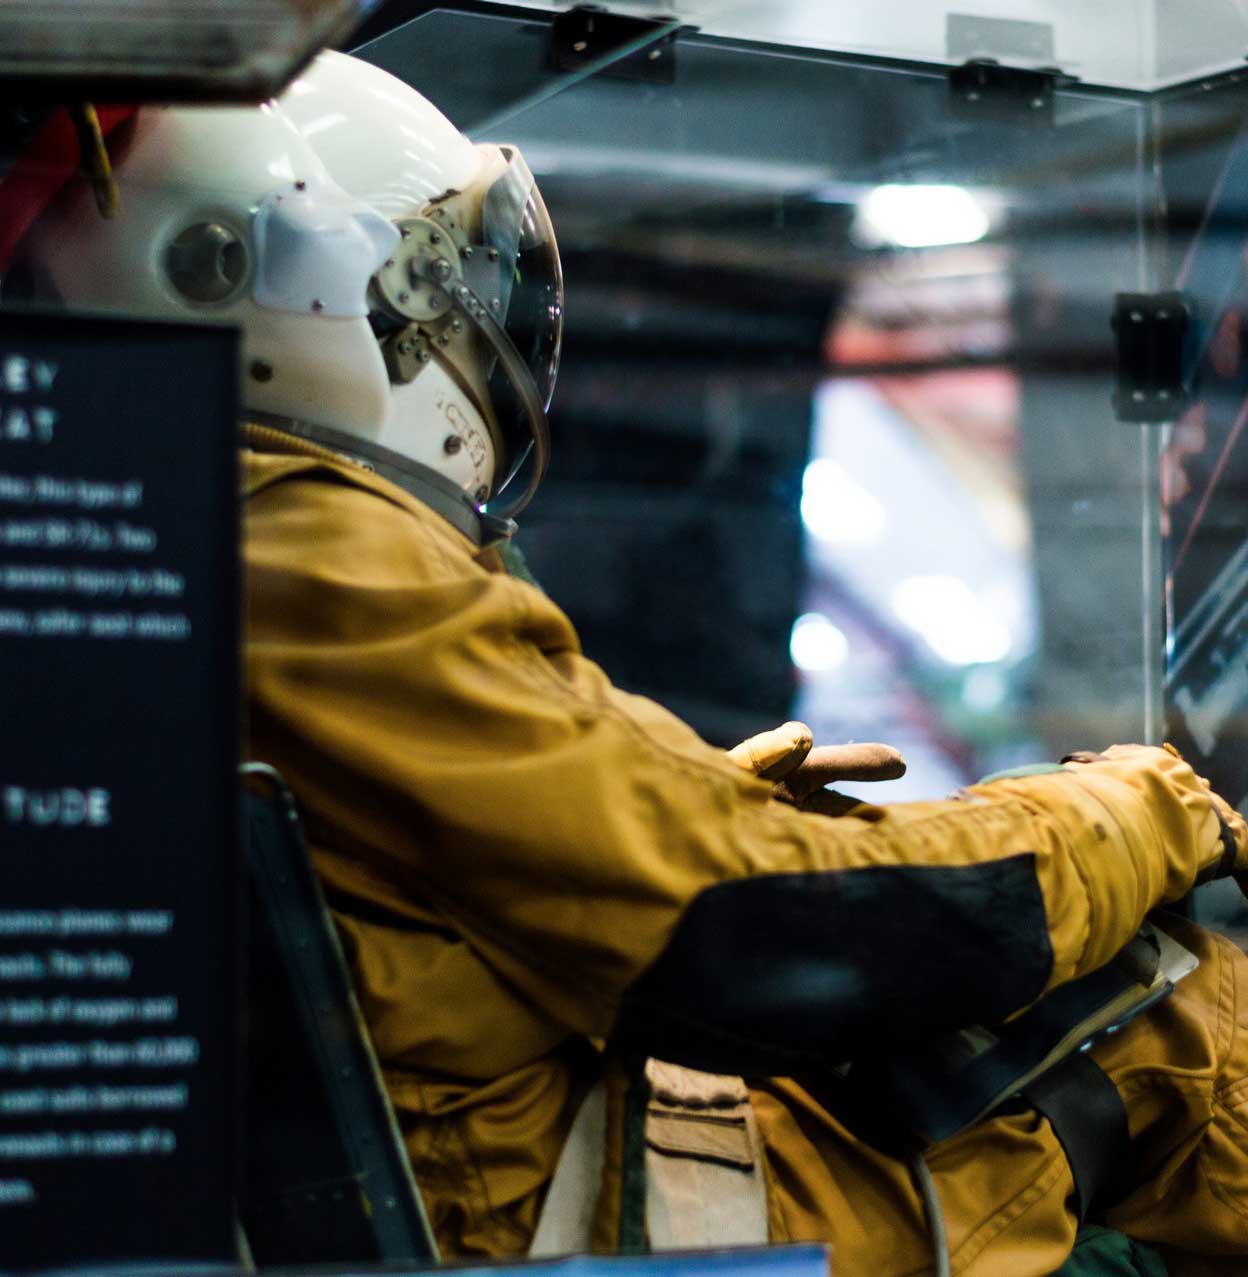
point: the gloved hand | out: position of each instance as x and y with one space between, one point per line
1229 853
786 756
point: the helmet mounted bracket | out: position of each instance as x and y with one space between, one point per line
447 293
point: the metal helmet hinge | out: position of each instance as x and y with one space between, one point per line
430 262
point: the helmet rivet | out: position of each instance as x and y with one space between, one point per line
406 347
404 296
445 339
493 254
434 237
405 232
317 305
441 269
452 444
261 370
481 494
466 252
301 186
495 304
425 355
457 325
390 263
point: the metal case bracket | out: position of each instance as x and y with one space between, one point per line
1152 367
983 90
588 33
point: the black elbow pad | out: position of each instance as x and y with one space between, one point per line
782 973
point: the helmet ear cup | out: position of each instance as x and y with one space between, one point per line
207 264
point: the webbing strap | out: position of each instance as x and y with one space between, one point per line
1225 865
632 1238
1090 1121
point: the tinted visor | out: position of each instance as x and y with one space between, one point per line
515 224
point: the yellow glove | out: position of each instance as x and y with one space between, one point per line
786 756
1232 829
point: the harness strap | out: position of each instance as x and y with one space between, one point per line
1090 1121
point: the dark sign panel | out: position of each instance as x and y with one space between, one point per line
118 645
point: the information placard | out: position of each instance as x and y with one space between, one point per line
118 807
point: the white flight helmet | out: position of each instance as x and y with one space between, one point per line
398 288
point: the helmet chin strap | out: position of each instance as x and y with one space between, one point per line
440 494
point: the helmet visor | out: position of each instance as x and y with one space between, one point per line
529 289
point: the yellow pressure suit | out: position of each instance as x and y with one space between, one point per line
525 859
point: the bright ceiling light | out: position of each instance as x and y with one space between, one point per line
952 619
816 645
836 508
920 216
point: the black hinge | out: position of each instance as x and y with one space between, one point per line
984 90
589 33
1153 361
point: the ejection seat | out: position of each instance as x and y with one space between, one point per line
325 1176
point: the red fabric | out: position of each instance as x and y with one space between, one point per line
41 170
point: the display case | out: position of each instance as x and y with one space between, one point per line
871 408
904 391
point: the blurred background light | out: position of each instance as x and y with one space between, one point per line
836 508
985 689
816 645
920 216
954 622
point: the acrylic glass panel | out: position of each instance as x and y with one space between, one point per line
835 432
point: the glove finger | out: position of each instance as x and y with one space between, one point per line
827 802
831 763
1112 752
1084 756
773 754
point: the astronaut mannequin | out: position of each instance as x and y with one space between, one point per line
526 862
